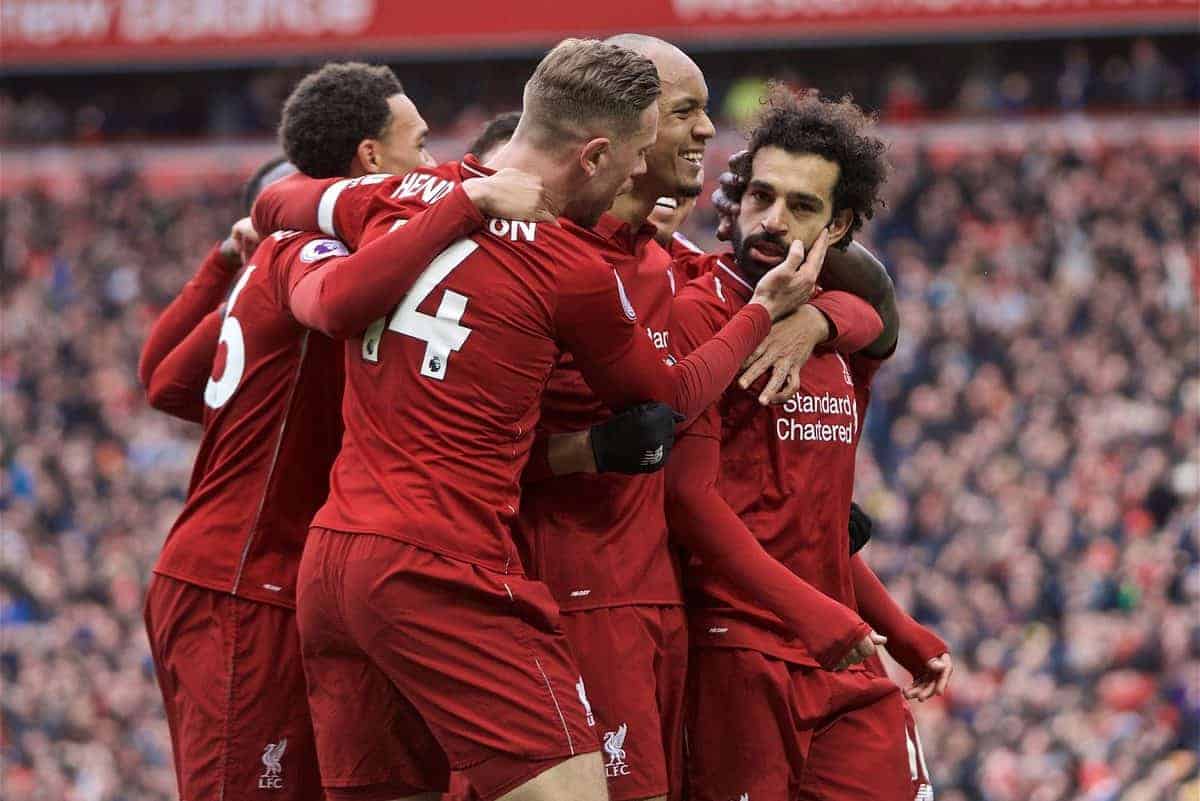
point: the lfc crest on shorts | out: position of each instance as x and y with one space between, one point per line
614 746
272 778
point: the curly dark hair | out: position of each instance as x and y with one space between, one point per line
498 130
837 130
331 111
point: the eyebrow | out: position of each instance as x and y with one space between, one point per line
793 197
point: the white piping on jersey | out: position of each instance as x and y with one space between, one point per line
554 698
262 500
687 243
329 199
737 278
717 286
472 170
671 279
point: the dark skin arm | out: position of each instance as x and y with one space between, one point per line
857 271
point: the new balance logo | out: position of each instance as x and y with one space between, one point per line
652 457
614 746
271 757
744 797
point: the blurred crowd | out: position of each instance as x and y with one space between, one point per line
900 82
1032 463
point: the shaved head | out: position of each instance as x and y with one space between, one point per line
673 167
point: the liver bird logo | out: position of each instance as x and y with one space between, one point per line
271 757
614 744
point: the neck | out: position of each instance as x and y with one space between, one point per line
556 178
633 207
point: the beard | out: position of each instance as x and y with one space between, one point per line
752 267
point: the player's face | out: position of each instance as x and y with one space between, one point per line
674 164
789 197
402 146
623 160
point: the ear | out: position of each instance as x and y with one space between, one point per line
367 155
839 225
592 154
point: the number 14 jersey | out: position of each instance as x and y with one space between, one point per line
442 397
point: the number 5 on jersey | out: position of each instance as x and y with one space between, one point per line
217 393
441 332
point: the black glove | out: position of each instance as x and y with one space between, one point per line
638 440
860 528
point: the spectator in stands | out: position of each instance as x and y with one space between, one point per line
1031 460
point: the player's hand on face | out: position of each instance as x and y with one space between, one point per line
727 197
785 350
511 194
242 242
863 650
933 681
789 285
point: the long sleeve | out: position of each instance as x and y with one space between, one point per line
911 643
177 385
702 522
855 322
343 296
204 292
623 368
337 207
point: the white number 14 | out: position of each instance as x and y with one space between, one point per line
441 332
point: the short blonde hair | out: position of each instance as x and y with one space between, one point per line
584 84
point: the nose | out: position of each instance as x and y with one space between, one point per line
704 128
775 220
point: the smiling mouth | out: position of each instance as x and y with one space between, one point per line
695 159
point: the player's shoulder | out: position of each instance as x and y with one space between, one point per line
553 244
304 247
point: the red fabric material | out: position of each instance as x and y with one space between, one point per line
176 385
801 732
908 641
440 413
272 426
601 540
855 322
762 469
345 296
232 684
202 294
634 665
704 524
417 663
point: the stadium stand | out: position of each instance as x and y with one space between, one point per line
1033 461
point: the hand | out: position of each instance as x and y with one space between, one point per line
789 285
864 650
511 194
638 440
785 350
933 681
241 243
728 195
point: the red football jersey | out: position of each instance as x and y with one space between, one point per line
271 431
601 539
786 470
443 395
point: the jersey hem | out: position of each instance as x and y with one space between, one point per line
227 590
511 568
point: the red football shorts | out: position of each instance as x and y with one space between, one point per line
230 674
634 662
760 727
419 664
